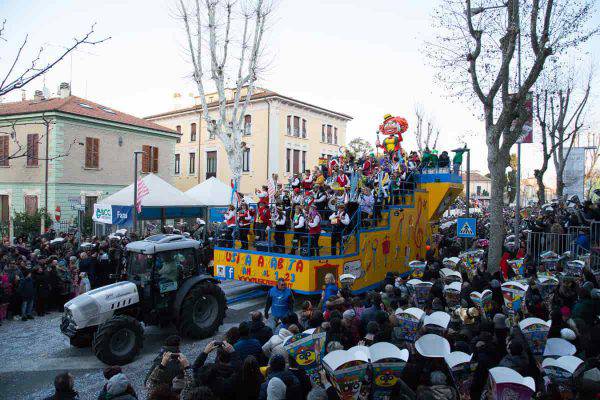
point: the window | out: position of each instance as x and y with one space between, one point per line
246 160
193 132
297 126
303 160
323 133
211 164
192 163
213 127
31 204
92 152
177 164
304 128
89 205
288 159
296 161
178 128
289 124
247 125
329 134
86 106
4 155
335 140
149 159
32 149
478 190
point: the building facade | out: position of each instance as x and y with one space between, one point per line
66 148
480 187
282 135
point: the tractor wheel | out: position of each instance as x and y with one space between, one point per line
81 340
118 340
202 311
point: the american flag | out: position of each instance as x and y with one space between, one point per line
271 190
142 191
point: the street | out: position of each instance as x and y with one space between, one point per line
34 352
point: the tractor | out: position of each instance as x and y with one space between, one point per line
164 282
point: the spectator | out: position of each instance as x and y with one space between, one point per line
277 370
27 292
247 345
64 388
249 381
258 329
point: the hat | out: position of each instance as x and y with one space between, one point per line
349 314
495 283
437 378
276 389
567 334
565 312
595 293
587 285
117 385
500 321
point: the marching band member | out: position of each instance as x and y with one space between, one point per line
244 219
278 222
307 182
339 221
299 224
314 230
229 218
262 221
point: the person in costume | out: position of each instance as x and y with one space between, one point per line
393 128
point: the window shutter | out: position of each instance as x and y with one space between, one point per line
96 153
36 148
155 160
89 143
145 159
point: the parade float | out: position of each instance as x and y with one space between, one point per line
370 252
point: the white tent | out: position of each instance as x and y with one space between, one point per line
160 194
213 192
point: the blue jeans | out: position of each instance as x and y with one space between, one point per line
26 308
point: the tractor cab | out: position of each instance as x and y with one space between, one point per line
158 266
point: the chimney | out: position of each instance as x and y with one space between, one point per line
64 90
38 95
23 95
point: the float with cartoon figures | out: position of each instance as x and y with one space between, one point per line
402 235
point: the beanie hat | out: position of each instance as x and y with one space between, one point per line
349 314
500 321
437 378
568 334
565 312
495 283
117 385
276 389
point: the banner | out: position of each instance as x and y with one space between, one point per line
307 349
535 331
527 131
122 215
102 213
483 301
574 173
461 368
409 323
514 295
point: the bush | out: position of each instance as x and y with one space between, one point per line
29 225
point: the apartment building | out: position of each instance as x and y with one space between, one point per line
283 135
67 148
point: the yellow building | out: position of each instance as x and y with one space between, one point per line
282 135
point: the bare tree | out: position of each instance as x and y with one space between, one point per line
476 55
559 111
17 77
426 130
211 21
360 147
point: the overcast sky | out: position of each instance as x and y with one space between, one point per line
362 58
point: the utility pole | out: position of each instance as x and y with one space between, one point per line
135 189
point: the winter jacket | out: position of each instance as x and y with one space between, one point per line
436 392
275 344
42 283
66 395
27 288
519 363
248 347
223 385
260 332
118 388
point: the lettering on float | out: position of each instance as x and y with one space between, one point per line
279 266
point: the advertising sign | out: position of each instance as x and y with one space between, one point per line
527 131
574 172
102 213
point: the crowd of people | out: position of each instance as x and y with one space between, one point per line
337 195
42 274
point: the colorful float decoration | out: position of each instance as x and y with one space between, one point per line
393 128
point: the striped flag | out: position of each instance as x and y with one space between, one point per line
271 189
142 191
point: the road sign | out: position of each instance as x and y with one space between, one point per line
75 203
466 227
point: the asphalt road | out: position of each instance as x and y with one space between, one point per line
32 353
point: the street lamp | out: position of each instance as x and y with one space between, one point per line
135 189
479 10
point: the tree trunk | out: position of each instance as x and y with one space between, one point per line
235 165
541 192
497 225
560 185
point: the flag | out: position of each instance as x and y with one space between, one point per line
271 191
142 191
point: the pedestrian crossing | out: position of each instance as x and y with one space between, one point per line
248 304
